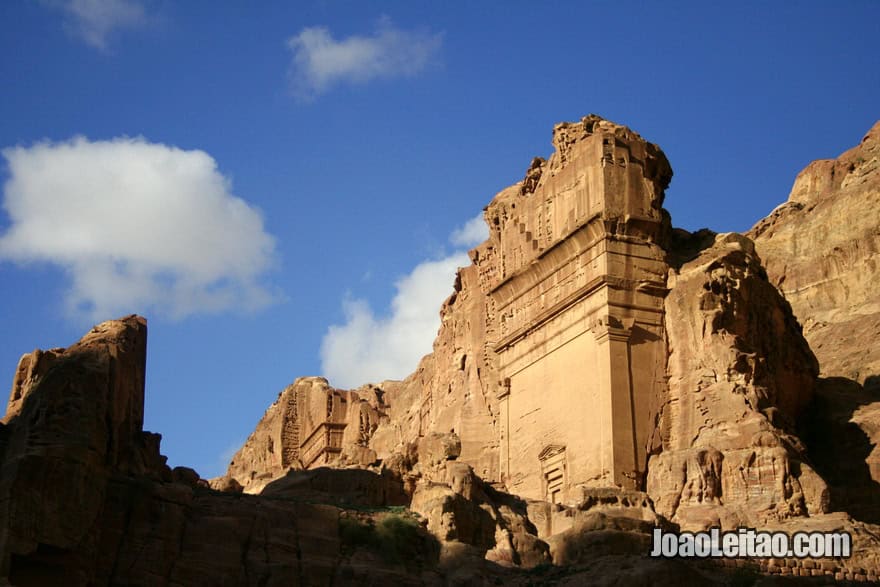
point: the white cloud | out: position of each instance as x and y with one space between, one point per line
471 233
373 348
95 20
320 61
138 227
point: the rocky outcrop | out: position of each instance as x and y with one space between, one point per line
596 375
573 279
821 248
310 425
740 375
87 499
452 389
75 417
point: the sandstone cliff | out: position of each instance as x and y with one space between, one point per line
309 425
86 499
740 375
563 323
821 248
596 375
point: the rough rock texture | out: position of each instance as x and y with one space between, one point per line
87 499
452 389
706 378
718 374
575 274
822 249
565 297
740 374
309 425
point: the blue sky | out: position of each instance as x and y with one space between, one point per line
284 189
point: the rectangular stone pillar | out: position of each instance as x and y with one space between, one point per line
619 439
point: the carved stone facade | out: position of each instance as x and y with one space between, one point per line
576 287
310 425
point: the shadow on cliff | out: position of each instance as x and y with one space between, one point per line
841 449
684 246
340 487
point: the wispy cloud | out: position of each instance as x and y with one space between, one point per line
321 62
138 227
95 20
472 233
371 347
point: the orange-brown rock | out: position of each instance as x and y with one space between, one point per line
453 389
740 375
556 327
822 249
550 367
596 375
310 425
575 274
87 500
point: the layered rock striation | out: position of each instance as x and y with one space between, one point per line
821 248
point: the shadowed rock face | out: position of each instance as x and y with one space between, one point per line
586 338
822 249
87 499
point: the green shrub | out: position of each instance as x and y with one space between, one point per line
395 537
353 532
398 537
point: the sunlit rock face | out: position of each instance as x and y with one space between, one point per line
563 361
740 375
597 374
310 425
821 249
556 329
576 274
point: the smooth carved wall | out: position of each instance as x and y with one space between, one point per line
578 296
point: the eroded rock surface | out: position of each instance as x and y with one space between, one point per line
596 375
822 249
740 375
87 499
310 425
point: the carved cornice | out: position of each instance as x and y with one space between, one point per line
608 327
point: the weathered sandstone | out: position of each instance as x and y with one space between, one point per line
597 374
556 327
550 366
86 499
740 375
308 426
821 248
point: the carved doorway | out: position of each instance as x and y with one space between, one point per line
553 472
